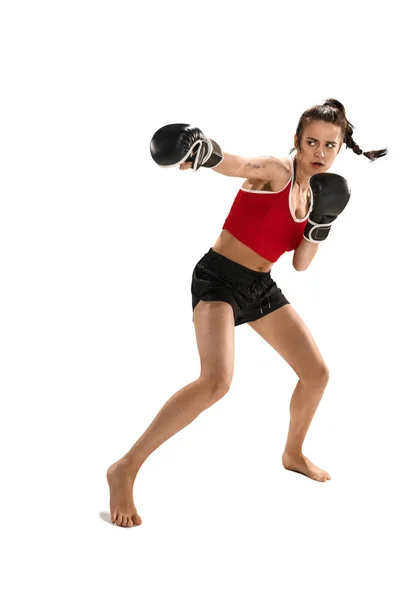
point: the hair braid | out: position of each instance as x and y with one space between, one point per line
348 134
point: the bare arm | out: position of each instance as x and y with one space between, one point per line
304 254
265 168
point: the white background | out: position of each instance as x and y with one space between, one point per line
97 249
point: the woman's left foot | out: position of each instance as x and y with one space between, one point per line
301 464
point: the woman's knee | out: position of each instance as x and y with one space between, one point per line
216 386
215 334
317 375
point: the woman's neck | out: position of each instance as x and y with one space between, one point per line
302 179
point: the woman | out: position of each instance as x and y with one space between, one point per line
279 208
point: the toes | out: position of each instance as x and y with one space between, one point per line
123 521
136 519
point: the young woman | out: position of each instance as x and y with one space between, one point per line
284 204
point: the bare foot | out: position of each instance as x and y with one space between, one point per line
122 508
301 464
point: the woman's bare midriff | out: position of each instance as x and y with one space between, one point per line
232 248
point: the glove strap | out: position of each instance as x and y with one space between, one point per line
214 155
198 149
316 232
207 153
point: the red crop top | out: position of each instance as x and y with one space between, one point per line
266 221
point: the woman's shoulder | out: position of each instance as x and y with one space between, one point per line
280 174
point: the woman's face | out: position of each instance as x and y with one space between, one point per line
320 144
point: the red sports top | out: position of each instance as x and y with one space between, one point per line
266 221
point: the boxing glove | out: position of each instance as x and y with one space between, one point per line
331 194
178 143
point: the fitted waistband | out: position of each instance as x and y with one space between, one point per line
231 268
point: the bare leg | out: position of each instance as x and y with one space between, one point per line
286 332
304 403
214 325
180 410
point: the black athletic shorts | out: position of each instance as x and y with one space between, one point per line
252 294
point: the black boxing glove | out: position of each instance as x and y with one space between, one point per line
331 194
178 143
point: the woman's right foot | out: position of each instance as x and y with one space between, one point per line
122 508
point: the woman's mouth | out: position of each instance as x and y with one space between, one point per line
316 164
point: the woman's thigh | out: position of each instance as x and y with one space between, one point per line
215 334
287 333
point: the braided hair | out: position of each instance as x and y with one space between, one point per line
332 111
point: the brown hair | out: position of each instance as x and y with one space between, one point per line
332 111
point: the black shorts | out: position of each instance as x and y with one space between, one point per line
252 294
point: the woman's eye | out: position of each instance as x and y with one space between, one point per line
328 145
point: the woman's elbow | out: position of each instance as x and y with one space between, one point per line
304 255
302 263
300 267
